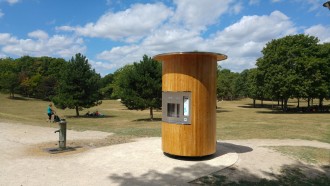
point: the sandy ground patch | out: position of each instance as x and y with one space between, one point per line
100 158
141 162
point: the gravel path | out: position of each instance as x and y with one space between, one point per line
95 161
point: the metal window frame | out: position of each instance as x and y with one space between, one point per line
170 97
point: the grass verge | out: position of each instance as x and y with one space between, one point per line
235 120
306 154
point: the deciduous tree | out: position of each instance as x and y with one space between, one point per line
140 86
78 85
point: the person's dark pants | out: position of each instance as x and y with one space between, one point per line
49 116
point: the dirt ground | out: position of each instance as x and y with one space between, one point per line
99 158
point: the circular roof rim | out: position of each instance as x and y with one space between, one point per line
219 55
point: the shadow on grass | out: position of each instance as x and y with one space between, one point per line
222 110
295 175
92 117
275 109
269 106
148 119
18 98
281 112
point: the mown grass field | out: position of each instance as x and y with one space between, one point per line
235 120
239 120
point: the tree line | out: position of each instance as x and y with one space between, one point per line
295 66
69 84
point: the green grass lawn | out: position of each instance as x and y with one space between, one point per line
306 154
235 120
239 120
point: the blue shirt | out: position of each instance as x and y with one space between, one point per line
49 110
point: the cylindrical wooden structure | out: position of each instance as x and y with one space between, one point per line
193 72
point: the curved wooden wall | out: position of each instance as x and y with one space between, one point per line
195 72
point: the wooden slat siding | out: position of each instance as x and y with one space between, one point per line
195 72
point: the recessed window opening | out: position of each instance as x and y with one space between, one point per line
173 110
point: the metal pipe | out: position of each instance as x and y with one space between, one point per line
62 134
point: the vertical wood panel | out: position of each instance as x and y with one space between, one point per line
195 72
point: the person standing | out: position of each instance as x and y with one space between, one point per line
50 112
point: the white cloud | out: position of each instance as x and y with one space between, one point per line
117 53
38 34
237 8
2 55
172 39
312 4
197 14
129 25
244 40
241 41
12 1
258 28
40 45
6 38
320 31
101 67
1 13
161 41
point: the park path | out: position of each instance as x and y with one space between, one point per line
24 162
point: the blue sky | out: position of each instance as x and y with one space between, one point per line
112 33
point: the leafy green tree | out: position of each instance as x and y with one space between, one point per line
241 85
283 66
30 85
78 85
321 76
226 84
255 85
107 86
140 85
51 73
9 80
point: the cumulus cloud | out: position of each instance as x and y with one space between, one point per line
198 14
161 41
246 38
38 34
129 25
258 28
6 38
39 44
322 32
241 41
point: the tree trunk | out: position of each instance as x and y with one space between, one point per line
151 114
262 103
11 95
298 103
77 111
321 103
308 102
285 108
254 103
